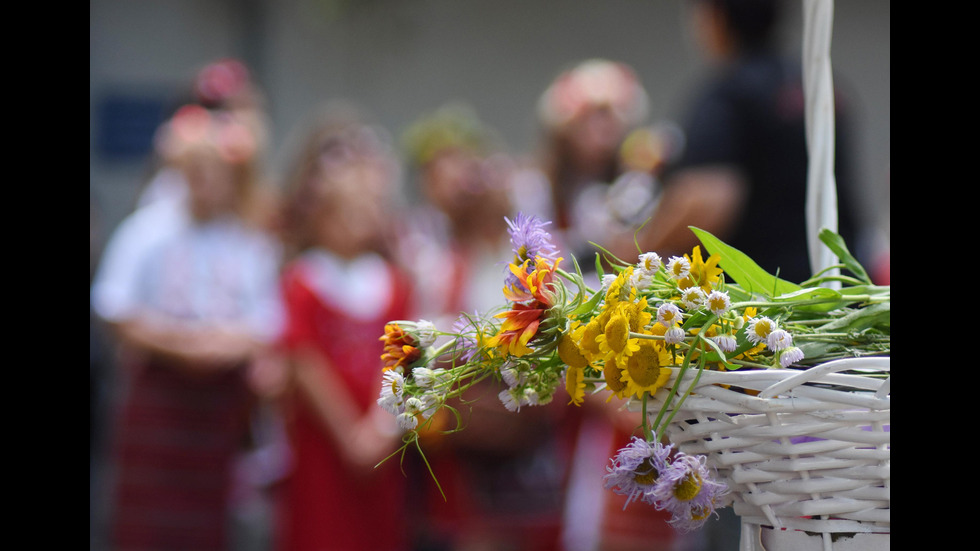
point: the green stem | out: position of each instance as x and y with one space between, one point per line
647 432
680 402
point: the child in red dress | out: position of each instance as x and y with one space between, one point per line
339 291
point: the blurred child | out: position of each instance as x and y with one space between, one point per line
189 287
340 290
585 115
503 474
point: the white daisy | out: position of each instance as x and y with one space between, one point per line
790 356
641 279
607 280
778 339
510 401
649 262
726 343
678 267
692 297
512 376
674 335
718 302
759 329
424 377
668 314
407 421
426 331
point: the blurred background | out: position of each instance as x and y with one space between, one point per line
399 59
402 58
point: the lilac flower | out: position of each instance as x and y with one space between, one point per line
687 490
467 329
530 239
636 469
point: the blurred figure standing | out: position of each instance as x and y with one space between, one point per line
743 172
503 475
596 182
459 225
340 288
579 184
189 288
224 85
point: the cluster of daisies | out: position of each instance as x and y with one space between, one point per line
647 320
669 480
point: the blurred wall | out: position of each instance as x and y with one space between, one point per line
398 58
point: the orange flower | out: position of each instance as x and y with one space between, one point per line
531 302
532 284
399 347
519 327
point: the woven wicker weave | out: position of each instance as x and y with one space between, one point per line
810 451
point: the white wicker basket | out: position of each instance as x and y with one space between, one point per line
810 451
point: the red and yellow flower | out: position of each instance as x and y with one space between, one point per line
532 299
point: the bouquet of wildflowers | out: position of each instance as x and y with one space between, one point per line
650 321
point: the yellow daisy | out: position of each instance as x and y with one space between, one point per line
575 384
703 273
646 370
615 344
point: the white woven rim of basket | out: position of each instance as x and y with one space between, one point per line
835 481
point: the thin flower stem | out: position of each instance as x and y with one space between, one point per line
673 392
805 302
647 432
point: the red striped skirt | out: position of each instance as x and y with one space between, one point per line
175 443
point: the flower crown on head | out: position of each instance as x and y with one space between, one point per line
594 82
221 81
194 127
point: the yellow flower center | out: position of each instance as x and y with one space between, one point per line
700 513
644 365
688 488
646 474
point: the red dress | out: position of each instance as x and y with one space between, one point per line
324 505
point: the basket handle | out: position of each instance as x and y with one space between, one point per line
821 193
877 363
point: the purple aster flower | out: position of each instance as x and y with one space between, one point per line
688 491
467 341
530 239
636 469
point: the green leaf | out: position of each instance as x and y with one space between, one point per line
824 299
742 269
589 305
876 315
836 244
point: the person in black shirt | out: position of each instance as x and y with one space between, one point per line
743 172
